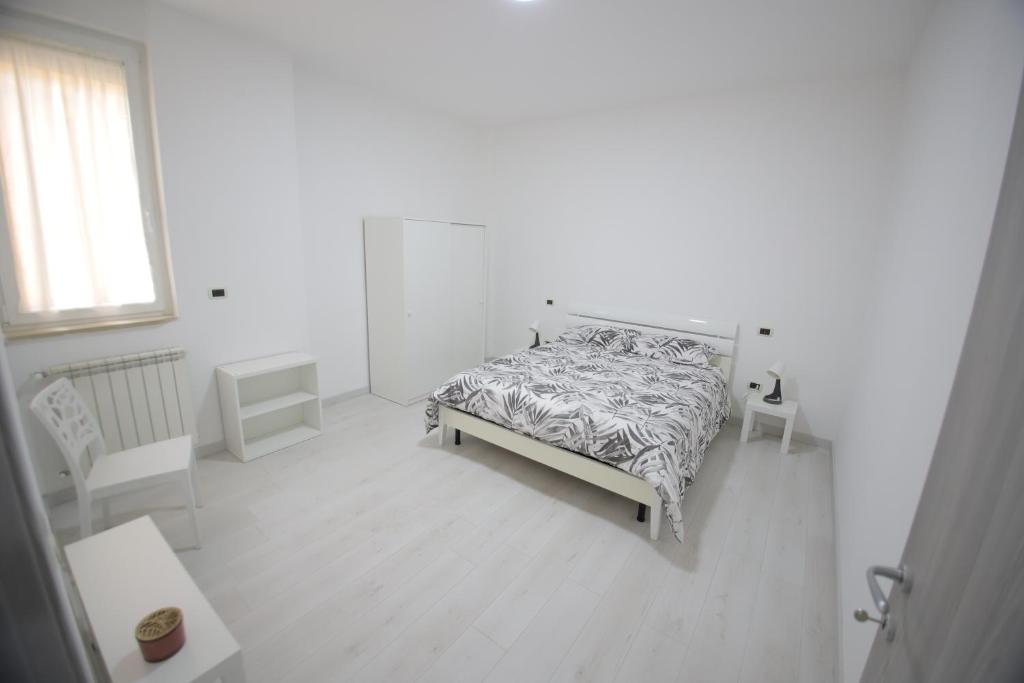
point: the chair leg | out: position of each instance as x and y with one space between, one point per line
190 506
105 505
194 474
85 516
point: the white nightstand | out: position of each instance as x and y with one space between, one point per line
126 572
786 410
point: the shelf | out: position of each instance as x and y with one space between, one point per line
278 440
261 366
276 403
268 404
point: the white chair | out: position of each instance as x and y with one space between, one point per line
61 409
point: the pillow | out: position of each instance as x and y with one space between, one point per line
605 338
673 349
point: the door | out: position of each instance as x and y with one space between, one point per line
39 638
428 309
466 294
963 616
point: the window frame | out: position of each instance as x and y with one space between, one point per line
132 54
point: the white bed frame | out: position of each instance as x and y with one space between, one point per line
720 336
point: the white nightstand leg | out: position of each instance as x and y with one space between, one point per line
748 419
786 434
231 671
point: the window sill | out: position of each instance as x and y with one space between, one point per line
70 327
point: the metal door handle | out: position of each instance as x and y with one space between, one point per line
899 575
885 623
862 615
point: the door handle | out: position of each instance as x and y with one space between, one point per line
898 574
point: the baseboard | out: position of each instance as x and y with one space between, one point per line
213 448
839 668
65 495
776 430
344 396
802 437
59 497
519 349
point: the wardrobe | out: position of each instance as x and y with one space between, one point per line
425 303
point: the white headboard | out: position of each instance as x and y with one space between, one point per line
716 334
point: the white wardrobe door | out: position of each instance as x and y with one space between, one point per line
466 294
428 309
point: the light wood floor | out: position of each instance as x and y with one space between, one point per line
371 554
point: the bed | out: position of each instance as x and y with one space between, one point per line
603 403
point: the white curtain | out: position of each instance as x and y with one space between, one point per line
70 184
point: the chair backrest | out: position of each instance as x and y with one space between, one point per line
68 420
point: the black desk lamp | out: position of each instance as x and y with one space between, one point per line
535 328
776 371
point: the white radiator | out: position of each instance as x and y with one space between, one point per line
138 398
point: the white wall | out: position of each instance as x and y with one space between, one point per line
241 128
269 167
224 110
360 155
761 207
960 101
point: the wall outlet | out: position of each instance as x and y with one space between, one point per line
218 293
551 302
765 331
755 386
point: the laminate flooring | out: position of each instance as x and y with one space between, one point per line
372 554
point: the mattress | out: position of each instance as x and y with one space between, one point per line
652 418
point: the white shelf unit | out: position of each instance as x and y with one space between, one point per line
268 404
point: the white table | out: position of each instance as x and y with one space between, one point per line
755 405
125 573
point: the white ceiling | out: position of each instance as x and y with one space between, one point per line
502 60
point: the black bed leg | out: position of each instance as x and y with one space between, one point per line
458 437
641 512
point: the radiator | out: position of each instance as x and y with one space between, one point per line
138 398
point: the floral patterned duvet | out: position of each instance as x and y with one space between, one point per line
652 418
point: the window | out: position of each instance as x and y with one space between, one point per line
83 241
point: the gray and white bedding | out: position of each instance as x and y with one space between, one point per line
646 404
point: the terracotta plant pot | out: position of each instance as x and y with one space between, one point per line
160 634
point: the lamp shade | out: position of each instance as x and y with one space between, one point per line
777 370
535 326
